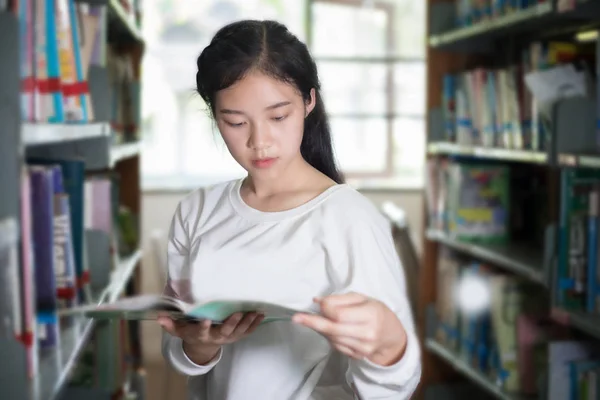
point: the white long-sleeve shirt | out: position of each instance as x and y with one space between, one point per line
219 247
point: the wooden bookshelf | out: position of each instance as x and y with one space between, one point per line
105 151
450 50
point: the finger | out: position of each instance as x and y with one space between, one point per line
230 323
349 314
342 299
345 308
326 326
168 325
205 327
347 351
244 324
193 331
360 348
255 324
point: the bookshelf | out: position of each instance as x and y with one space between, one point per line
545 176
83 360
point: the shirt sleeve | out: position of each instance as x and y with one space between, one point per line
372 268
178 285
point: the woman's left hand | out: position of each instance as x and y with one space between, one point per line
359 326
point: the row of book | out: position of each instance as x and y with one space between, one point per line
64 55
494 107
72 239
470 12
509 337
59 40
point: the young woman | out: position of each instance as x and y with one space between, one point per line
291 233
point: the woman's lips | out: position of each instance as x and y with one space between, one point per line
263 162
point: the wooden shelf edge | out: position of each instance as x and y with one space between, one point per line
455 35
532 273
493 153
579 160
465 369
37 134
124 151
586 323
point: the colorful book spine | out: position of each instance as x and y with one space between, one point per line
66 54
29 337
26 53
52 85
63 252
45 282
81 90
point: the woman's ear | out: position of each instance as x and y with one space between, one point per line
310 105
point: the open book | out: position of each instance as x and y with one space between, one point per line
153 306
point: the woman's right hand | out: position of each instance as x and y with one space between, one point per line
202 340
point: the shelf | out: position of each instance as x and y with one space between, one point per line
98 151
519 259
477 377
124 151
515 22
55 365
447 148
586 323
43 134
572 160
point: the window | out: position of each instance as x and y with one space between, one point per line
370 55
370 59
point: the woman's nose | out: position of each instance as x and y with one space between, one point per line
260 137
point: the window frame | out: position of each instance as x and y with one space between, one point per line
390 61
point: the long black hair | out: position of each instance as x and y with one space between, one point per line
269 47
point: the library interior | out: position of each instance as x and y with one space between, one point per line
102 134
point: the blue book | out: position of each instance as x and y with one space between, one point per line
42 213
74 186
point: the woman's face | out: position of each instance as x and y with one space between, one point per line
261 120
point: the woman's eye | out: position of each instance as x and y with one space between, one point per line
279 118
234 125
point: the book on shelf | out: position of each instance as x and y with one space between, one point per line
148 307
578 269
497 106
469 202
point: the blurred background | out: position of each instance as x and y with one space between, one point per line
473 125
